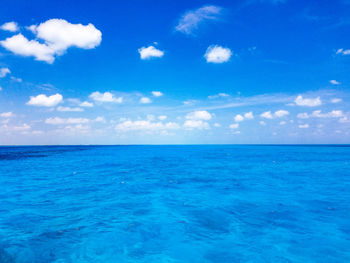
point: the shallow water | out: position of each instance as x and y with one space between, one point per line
195 204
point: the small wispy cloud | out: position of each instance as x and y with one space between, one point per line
157 93
191 20
334 82
69 109
145 100
342 51
4 72
219 95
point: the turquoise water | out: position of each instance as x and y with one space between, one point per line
174 204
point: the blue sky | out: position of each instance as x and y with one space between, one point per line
174 72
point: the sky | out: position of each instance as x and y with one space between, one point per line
174 72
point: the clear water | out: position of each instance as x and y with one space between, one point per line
175 204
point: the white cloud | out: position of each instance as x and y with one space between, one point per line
303 115
234 126
86 104
331 114
19 80
217 125
336 100
60 121
10 26
150 52
342 51
196 124
105 97
219 95
192 19
266 115
262 123
20 45
4 72
334 82
319 114
300 101
199 115
217 54
100 119
145 125
75 109
7 114
283 123
157 93
145 100
304 126
18 128
238 118
344 120
249 115
58 35
162 117
46 101
281 113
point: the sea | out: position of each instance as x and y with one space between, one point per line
175 203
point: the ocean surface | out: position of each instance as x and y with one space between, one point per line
172 204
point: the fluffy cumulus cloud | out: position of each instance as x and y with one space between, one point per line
199 115
246 116
150 52
4 72
10 26
266 115
45 101
308 102
342 51
217 54
238 118
56 35
105 97
196 124
249 115
192 19
145 125
157 93
145 100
